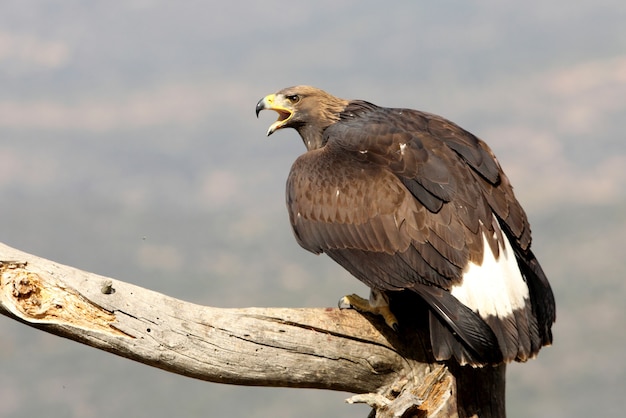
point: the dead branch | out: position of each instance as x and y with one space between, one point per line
305 348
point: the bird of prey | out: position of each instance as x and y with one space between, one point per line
413 205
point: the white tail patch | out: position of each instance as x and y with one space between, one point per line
494 287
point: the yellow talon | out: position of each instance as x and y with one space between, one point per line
377 305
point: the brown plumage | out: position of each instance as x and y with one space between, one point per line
413 205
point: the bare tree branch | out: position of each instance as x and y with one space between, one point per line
307 348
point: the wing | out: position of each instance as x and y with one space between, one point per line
430 153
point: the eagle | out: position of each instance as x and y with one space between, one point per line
419 210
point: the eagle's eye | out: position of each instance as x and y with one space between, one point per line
293 98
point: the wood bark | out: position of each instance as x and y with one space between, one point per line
323 348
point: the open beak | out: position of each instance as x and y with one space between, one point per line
277 104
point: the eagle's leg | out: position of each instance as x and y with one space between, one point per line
378 304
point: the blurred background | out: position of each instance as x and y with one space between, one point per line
129 148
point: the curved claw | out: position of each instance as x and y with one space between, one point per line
344 303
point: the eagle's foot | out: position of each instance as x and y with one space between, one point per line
377 305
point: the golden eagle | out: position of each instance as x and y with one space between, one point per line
413 205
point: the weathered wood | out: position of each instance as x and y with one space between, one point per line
307 348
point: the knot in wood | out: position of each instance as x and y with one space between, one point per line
26 289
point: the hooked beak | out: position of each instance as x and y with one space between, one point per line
277 104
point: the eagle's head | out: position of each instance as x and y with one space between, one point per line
307 109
